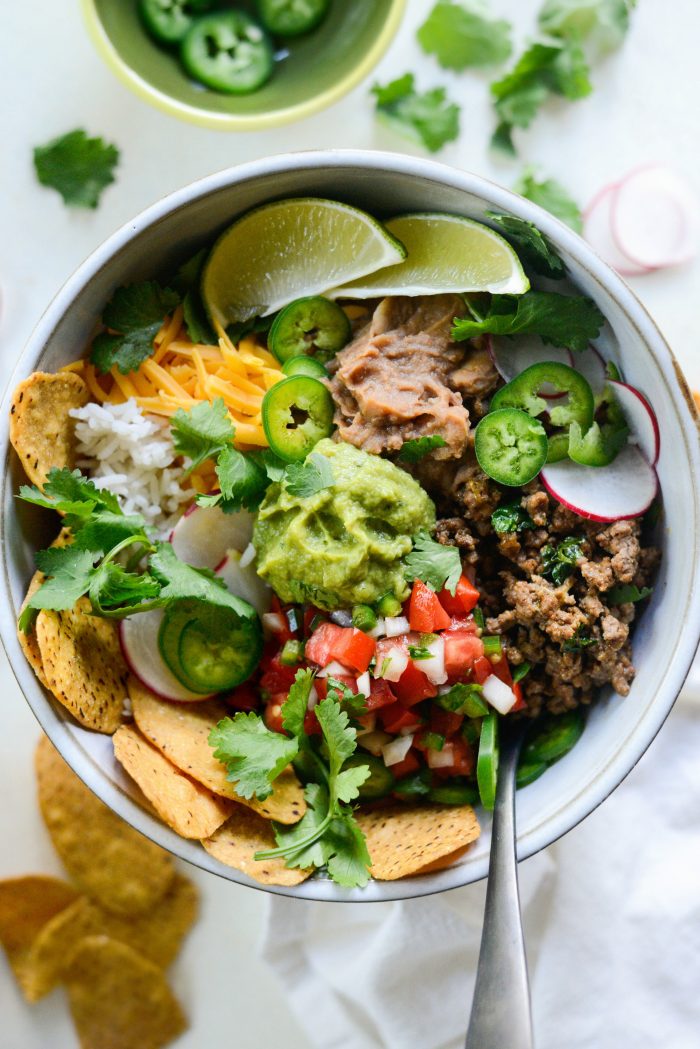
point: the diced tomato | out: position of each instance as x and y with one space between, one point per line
519 698
276 676
396 717
321 684
411 763
286 633
462 650
413 686
463 760
445 722
482 669
380 695
463 622
425 613
349 646
244 697
465 598
311 725
273 714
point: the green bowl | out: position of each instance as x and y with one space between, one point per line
311 72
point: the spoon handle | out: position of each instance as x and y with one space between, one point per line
501 1017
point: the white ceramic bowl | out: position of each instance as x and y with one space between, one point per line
618 730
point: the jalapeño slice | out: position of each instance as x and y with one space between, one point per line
303 365
209 648
312 325
168 21
511 447
553 737
227 51
292 17
523 393
487 761
380 780
296 413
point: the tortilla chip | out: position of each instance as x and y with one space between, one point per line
407 840
186 806
106 858
181 732
157 934
41 430
236 843
28 639
26 905
83 664
119 999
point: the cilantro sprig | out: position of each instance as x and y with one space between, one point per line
558 562
76 166
571 321
511 518
429 118
552 196
416 448
532 246
435 564
134 316
462 35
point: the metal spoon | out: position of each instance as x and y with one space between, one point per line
501 1017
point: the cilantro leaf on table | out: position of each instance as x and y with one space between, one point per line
202 432
429 118
77 166
135 315
415 448
626 593
532 246
463 34
551 195
310 477
435 564
571 321
511 518
602 22
254 756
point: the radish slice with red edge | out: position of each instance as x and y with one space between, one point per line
626 488
245 582
139 640
591 365
204 535
654 218
641 419
512 358
597 229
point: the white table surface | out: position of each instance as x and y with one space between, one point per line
645 108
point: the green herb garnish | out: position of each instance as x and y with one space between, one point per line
435 564
550 195
511 518
562 320
310 477
626 593
429 118
579 641
462 35
533 247
77 166
558 562
135 315
413 450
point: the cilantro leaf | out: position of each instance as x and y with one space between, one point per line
304 843
435 564
112 586
339 735
180 580
135 313
353 703
429 118
348 782
558 562
562 320
579 641
104 530
533 247
202 432
186 284
626 593
551 195
462 34
69 571
413 450
77 166
273 466
348 858
603 22
243 482
295 706
253 755
511 518
69 492
308 478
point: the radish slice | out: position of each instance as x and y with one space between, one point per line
204 535
245 582
139 640
591 365
597 229
641 418
625 488
498 694
654 218
512 358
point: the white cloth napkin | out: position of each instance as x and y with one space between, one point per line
612 924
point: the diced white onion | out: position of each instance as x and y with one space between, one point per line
440 759
408 730
313 699
397 750
248 556
334 669
364 684
374 741
371 721
378 630
391 666
434 668
395 625
274 622
498 694
341 617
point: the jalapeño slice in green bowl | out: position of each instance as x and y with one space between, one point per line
168 21
208 647
227 51
523 392
292 17
296 414
311 325
510 446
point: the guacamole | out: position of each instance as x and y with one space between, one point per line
343 545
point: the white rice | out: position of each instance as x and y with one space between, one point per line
132 454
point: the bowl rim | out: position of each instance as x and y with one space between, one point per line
147 92
63 732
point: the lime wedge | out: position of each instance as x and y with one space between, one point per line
445 253
283 251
